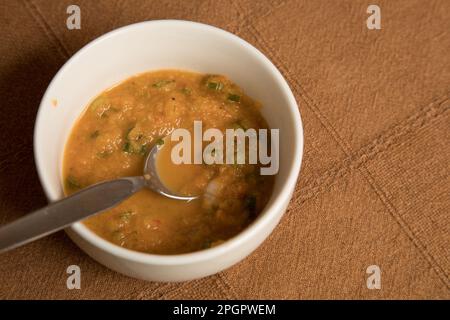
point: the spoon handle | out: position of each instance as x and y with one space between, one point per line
62 213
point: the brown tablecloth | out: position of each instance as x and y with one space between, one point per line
375 182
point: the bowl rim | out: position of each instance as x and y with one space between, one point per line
268 214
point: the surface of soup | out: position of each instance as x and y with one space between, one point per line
119 127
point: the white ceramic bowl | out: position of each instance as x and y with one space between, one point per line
155 45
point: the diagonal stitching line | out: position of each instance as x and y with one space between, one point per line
379 145
407 229
143 294
229 290
40 19
344 146
224 287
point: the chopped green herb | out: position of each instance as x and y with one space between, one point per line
104 153
207 244
72 183
126 216
162 83
143 150
128 131
238 125
94 134
234 97
186 91
160 142
98 102
215 86
102 106
119 236
131 144
212 210
127 147
105 113
250 204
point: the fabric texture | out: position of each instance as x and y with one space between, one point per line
374 188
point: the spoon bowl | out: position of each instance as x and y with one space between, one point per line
83 204
153 180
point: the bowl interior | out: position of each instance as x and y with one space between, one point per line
161 45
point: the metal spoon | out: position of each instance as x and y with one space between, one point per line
85 203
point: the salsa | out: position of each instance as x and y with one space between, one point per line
115 133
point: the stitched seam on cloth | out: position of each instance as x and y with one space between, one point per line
227 289
382 143
363 158
162 295
143 294
40 19
244 18
400 220
162 291
406 228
